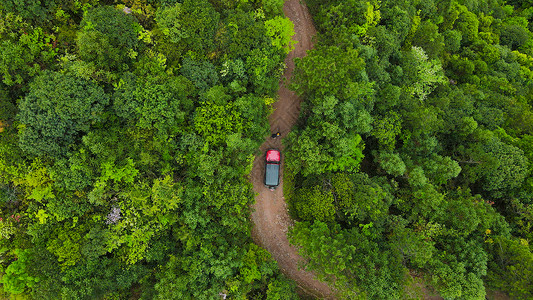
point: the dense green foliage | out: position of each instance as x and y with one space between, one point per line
127 132
128 129
413 153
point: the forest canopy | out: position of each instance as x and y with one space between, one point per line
420 113
121 123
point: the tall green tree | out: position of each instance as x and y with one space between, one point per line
349 260
189 25
57 111
107 37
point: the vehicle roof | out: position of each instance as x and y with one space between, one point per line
272 175
273 155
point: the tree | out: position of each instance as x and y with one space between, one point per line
35 11
75 173
14 65
415 247
472 214
326 70
511 267
445 85
254 111
391 163
440 169
242 33
190 25
107 37
467 23
350 16
514 36
57 110
216 118
147 211
314 204
349 260
158 103
427 75
329 148
359 199
428 37
8 109
452 280
16 278
280 30
386 43
102 192
498 166
202 73
277 290
397 19
273 7
386 129
452 40
263 67
99 278
423 201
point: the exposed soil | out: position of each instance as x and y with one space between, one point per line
497 295
418 287
270 217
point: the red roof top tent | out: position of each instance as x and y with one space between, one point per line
273 156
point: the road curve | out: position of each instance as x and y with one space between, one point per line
270 217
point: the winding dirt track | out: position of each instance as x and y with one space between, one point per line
270 218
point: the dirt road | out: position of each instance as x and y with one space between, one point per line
270 217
